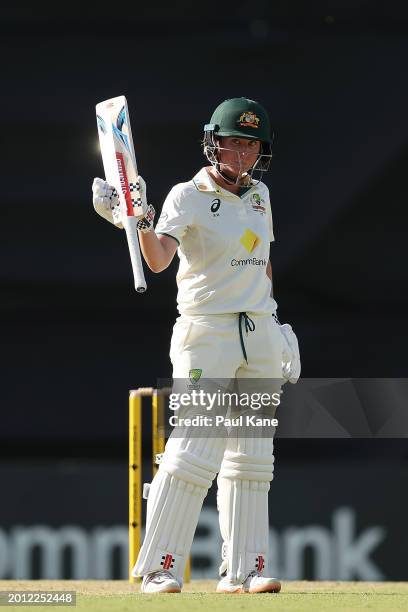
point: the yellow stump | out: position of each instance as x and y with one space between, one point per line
135 478
135 463
158 439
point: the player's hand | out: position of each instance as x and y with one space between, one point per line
106 201
145 221
290 356
106 204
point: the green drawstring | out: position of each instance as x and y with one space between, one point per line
249 326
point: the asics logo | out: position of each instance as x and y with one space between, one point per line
215 205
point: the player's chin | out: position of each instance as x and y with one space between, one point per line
243 169
235 172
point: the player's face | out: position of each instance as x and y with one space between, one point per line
237 155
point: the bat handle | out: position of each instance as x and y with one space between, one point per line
130 225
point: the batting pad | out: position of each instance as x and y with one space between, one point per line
243 486
174 502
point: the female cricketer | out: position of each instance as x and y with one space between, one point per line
220 223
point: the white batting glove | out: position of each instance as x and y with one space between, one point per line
290 358
145 222
106 201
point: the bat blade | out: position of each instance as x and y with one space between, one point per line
119 162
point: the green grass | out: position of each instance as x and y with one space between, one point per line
120 596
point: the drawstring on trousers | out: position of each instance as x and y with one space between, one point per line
249 326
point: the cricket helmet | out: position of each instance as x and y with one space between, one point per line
242 118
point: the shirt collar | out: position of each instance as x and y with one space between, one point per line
204 182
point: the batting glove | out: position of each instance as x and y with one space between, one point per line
145 222
106 201
290 354
106 204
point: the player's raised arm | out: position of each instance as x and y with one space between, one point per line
158 251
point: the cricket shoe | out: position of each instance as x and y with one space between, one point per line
253 584
160 582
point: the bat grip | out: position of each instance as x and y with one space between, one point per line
130 225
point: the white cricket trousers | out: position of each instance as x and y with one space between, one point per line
230 347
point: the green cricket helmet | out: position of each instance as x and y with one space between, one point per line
242 118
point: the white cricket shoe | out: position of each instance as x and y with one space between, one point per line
160 582
253 584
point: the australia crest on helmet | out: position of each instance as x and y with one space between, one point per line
248 119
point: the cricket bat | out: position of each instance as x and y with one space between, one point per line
119 162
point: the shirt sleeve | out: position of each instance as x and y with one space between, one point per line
269 215
176 215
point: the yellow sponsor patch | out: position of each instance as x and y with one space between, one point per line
249 240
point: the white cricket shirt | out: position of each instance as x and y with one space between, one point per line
223 246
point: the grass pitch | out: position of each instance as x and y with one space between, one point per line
199 595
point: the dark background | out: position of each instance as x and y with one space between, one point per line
75 336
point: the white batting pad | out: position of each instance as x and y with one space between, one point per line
243 486
175 498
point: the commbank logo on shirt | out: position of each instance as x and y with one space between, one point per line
249 240
251 261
